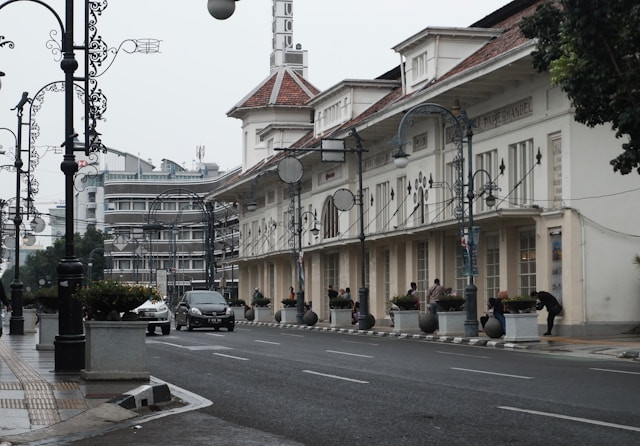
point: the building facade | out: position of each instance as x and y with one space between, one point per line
550 226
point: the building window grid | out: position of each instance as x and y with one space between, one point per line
382 207
489 162
386 286
521 161
492 262
419 66
401 186
527 262
422 271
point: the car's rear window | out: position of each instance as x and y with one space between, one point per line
206 297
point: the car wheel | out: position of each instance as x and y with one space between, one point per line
189 326
178 326
231 327
166 329
151 329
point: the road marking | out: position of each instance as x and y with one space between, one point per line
361 343
616 371
292 335
231 356
193 347
578 419
349 354
493 373
462 354
266 342
215 334
336 377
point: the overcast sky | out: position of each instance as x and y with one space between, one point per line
164 105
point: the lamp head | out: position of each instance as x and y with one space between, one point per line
221 9
1 75
400 158
490 200
315 231
252 206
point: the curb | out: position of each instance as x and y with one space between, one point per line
143 396
481 342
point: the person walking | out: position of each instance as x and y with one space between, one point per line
432 296
548 300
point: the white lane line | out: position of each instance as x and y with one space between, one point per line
194 347
578 419
292 335
361 343
616 371
492 373
266 342
462 354
336 377
231 356
215 334
348 354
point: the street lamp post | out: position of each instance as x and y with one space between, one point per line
16 322
463 127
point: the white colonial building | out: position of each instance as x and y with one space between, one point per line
562 221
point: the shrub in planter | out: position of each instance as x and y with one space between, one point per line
289 303
339 302
520 304
47 298
451 302
107 299
237 303
405 302
28 300
262 302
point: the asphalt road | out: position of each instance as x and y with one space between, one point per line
272 386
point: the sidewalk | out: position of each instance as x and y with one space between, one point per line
36 403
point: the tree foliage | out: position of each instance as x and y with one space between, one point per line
592 50
43 265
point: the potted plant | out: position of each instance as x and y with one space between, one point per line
520 304
407 318
451 302
339 303
239 307
289 303
108 299
289 312
47 299
261 302
405 302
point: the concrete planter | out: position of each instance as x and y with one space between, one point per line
341 317
48 331
451 322
288 315
406 320
263 314
115 350
521 327
30 318
238 312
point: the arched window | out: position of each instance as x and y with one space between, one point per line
330 222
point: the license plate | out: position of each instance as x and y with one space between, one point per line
214 319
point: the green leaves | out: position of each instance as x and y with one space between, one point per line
590 48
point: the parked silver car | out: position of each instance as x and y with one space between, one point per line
157 314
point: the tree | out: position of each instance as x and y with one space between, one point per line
591 48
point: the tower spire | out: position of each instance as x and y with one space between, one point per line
283 53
